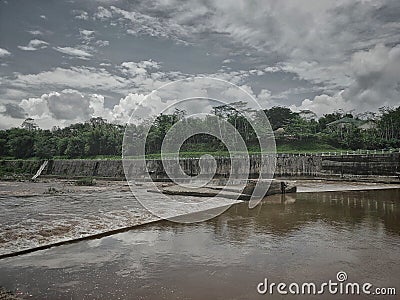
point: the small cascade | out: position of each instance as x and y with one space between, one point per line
44 164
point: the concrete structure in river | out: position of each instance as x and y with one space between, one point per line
287 165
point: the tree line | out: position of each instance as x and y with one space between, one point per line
342 130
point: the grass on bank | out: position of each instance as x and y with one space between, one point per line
298 148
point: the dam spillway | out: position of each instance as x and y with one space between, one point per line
287 165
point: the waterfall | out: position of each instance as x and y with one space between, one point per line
44 164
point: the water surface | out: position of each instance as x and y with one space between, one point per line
225 258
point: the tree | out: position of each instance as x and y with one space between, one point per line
389 124
301 128
45 146
279 116
29 124
21 143
76 147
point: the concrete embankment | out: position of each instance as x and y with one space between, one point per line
286 165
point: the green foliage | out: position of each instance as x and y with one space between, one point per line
75 147
45 146
279 116
20 143
99 139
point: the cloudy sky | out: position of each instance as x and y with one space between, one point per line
63 62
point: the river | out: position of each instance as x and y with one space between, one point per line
298 238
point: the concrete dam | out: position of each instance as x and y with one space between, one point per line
287 165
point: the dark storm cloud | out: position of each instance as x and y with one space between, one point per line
14 111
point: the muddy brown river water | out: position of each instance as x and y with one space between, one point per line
307 237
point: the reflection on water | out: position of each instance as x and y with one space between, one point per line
309 238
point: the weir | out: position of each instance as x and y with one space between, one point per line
287 165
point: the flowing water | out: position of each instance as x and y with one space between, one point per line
306 237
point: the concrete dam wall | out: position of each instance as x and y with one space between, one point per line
286 165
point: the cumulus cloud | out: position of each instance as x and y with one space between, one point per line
4 52
34 45
123 110
265 99
67 105
376 82
71 106
82 54
324 104
376 75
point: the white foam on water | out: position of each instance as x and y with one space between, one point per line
31 222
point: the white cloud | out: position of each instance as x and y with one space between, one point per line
35 32
74 77
324 104
123 110
376 74
65 107
376 82
102 13
73 52
71 106
139 68
86 34
80 14
102 43
34 45
272 69
4 52
313 40
141 77
265 99
7 122
96 104
35 107
143 24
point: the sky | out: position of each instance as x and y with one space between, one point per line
63 62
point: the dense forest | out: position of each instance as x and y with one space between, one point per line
293 132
